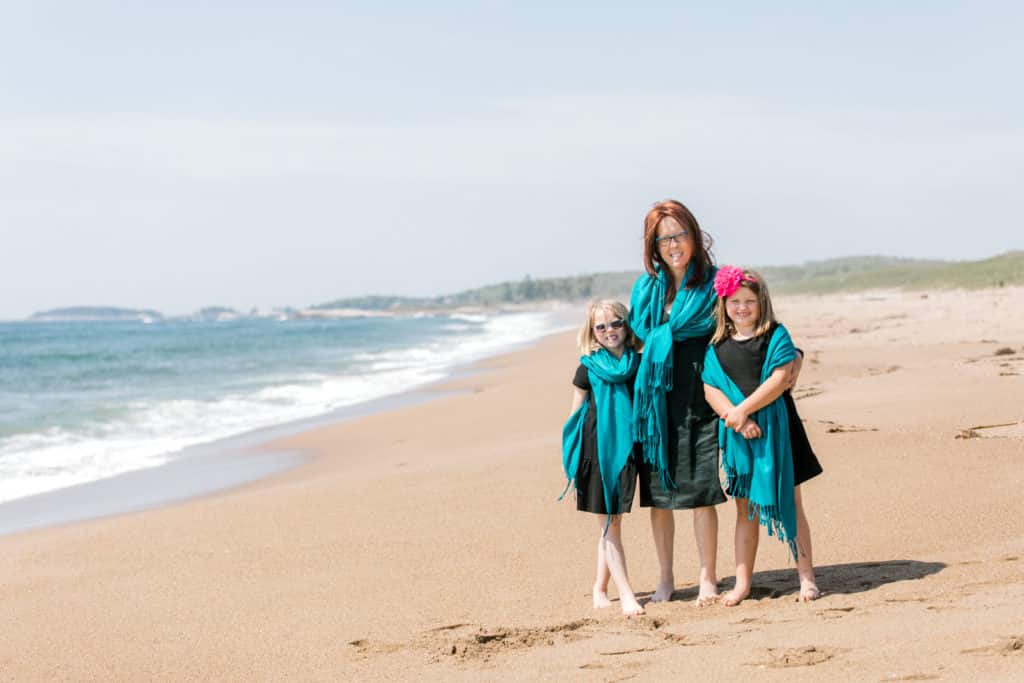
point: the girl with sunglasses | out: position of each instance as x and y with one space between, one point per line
597 441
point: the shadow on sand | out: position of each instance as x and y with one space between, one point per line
833 579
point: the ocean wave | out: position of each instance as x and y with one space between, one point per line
152 433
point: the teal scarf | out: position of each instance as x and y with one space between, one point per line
692 316
609 385
760 470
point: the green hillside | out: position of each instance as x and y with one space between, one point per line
858 274
855 273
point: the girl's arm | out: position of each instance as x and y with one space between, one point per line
770 389
721 404
717 400
578 397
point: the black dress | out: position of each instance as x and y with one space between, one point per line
692 438
589 489
743 360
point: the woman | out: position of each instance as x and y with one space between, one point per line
672 313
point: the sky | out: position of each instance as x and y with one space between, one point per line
179 155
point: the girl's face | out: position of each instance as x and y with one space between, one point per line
609 329
743 309
675 244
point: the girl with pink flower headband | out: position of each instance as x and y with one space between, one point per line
765 452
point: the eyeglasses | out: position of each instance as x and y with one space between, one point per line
677 238
616 324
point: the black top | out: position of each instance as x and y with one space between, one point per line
582 380
686 400
743 360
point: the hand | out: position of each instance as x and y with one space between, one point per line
735 418
793 371
750 430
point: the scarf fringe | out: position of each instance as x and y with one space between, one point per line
646 427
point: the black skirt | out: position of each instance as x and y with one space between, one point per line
692 446
589 486
805 462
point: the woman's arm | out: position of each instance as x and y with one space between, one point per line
770 389
794 369
578 397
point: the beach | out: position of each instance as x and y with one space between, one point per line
426 542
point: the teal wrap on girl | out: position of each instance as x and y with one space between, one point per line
692 316
760 470
609 385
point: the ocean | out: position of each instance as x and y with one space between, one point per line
86 400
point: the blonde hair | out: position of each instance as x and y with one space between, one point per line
753 281
586 340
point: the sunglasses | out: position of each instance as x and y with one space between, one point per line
617 324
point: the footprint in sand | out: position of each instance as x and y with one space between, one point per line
1003 430
835 428
364 647
1014 645
490 641
800 393
784 658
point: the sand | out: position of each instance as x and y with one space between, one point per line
426 543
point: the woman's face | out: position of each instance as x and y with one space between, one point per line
674 244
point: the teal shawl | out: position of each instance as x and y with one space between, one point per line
760 470
609 385
692 316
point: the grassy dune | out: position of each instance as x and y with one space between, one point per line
862 273
856 273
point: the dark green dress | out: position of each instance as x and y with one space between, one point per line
692 438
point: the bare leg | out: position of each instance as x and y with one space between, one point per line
601 580
805 559
615 562
705 529
748 532
663 526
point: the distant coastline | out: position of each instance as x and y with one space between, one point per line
852 274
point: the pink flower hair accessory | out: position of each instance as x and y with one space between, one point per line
728 279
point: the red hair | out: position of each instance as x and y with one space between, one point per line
701 259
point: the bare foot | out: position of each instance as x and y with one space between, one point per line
708 594
601 599
735 596
664 591
808 590
631 607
